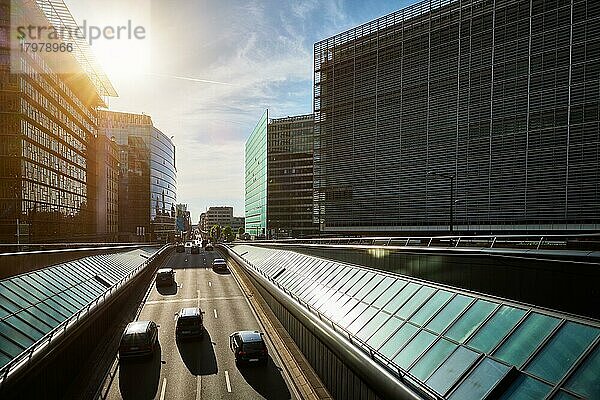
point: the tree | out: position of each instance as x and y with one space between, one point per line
241 231
215 233
228 234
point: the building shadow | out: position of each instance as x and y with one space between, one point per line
266 380
167 290
198 355
139 378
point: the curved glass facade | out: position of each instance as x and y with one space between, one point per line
163 182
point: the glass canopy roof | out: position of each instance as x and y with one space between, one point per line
459 344
33 304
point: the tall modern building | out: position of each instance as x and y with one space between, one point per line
147 178
488 107
48 119
104 158
256 178
290 143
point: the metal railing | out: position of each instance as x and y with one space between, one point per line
25 357
588 241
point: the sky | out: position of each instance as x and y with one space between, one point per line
205 70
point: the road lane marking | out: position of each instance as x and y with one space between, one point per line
227 380
198 298
209 283
215 310
155 302
198 387
164 388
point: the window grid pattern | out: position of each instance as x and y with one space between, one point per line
458 345
33 304
501 94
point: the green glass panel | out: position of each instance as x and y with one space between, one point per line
563 349
6 303
526 388
9 347
390 293
398 339
496 328
415 302
432 359
449 372
373 325
470 320
449 313
352 314
362 319
344 278
381 287
401 297
526 338
368 287
3 358
51 316
381 335
360 284
16 322
28 289
414 349
37 319
9 294
16 336
340 312
586 380
62 309
431 307
566 396
479 382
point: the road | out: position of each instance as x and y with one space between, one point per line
200 369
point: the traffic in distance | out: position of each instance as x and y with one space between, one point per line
196 338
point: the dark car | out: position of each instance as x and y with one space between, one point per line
180 248
139 339
248 347
189 323
195 250
208 247
165 277
219 264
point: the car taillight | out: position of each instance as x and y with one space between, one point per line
242 353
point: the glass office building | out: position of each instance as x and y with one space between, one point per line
491 106
256 178
147 178
46 124
290 176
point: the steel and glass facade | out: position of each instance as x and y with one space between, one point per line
502 96
256 178
147 179
47 121
290 143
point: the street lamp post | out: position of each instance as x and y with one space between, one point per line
450 177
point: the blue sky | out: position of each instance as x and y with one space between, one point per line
207 69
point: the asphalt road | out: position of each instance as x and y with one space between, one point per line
204 368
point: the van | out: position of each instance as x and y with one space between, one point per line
189 323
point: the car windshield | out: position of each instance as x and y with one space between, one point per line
135 339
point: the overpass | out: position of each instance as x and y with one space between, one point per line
364 331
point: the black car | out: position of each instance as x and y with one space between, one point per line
180 248
219 264
165 277
195 250
248 347
208 247
189 323
139 339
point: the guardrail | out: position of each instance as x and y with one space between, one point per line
588 241
28 355
371 353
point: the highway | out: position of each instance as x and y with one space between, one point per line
204 368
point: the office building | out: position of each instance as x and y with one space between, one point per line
47 122
104 157
221 216
290 176
488 107
147 178
256 179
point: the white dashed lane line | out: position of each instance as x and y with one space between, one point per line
163 390
227 381
215 310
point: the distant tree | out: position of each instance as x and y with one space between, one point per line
215 233
228 234
241 231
